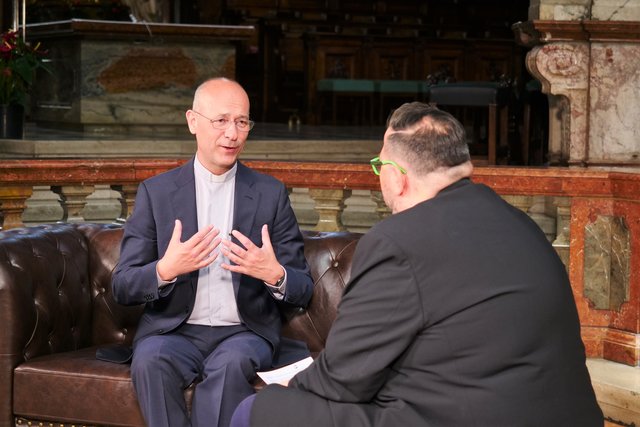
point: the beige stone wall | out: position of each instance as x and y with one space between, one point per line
575 10
559 10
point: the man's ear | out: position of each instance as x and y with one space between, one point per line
191 121
399 182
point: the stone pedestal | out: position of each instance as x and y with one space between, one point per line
124 77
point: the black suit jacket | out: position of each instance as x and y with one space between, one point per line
259 199
458 313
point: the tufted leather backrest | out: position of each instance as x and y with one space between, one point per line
45 298
55 293
329 256
112 322
57 285
46 302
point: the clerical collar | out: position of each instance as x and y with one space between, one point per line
203 173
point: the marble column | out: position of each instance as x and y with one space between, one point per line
563 69
586 54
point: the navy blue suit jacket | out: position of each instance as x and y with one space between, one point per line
259 199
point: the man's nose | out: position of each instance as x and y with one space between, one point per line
231 131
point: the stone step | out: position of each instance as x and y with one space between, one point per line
617 388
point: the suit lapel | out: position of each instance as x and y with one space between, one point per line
245 201
183 201
245 207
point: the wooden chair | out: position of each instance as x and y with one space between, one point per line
491 95
359 92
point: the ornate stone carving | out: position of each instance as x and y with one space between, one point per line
566 61
563 69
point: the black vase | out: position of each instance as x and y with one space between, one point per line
11 121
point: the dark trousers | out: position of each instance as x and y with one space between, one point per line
224 359
242 415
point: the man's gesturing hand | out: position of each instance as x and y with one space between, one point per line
185 257
251 260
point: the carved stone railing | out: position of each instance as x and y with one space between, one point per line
73 181
593 217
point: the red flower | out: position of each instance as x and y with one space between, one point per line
18 64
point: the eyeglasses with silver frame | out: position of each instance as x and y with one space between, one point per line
222 123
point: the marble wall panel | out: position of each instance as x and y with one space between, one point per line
606 265
147 85
575 10
616 10
611 333
614 107
104 85
559 10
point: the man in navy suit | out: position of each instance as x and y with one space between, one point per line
214 251
458 311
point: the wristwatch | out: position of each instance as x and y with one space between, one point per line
279 285
279 282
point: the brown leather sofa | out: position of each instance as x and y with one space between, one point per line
56 309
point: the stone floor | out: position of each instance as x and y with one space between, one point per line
617 388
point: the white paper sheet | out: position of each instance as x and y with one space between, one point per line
285 373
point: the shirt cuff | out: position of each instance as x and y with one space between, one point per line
163 283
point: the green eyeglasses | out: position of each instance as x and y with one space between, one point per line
376 164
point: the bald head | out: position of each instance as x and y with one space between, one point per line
217 85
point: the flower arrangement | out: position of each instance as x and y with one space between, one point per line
18 64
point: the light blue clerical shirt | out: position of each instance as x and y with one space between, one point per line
215 303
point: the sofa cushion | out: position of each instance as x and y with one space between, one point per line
87 390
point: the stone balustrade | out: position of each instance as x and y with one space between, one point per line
592 218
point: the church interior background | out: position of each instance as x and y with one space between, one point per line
542 86
315 62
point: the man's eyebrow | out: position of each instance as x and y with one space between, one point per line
228 115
